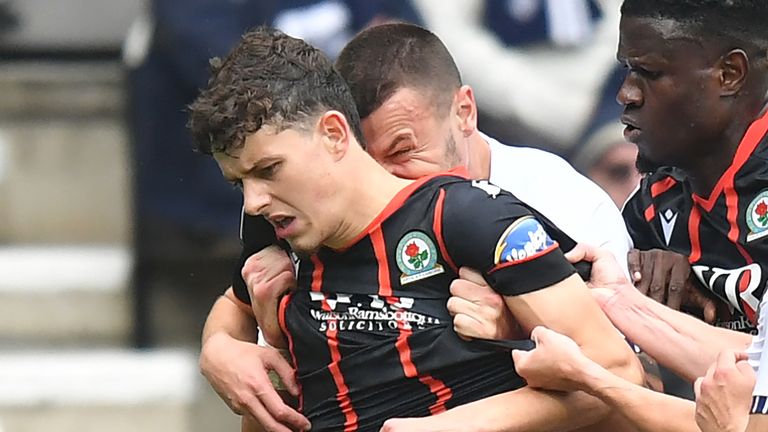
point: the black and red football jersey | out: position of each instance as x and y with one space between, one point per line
724 235
368 326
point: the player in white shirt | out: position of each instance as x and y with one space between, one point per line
758 359
551 185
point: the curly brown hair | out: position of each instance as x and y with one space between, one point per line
269 79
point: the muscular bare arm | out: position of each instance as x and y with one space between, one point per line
678 341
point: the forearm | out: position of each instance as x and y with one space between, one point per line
230 318
525 409
678 341
646 410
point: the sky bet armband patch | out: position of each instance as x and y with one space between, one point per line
522 241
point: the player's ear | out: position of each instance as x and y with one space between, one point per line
465 110
333 129
733 67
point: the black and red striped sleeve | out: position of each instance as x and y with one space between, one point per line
490 230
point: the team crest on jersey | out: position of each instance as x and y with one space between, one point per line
757 217
524 239
417 257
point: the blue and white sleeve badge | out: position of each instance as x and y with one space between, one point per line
523 240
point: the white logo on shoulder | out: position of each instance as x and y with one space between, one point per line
727 281
490 189
668 219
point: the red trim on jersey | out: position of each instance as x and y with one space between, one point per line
693 233
743 284
380 250
529 258
440 390
317 273
662 186
649 213
436 387
732 212
281 321
749 142
342 391
398 201
745 254
437 227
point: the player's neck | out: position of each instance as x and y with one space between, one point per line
479 158
369 191
705 172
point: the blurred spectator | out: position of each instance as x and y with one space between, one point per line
186 216
608 160
8 19
537 66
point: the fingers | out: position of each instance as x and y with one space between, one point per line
277 363
539 334
520 359
472 275
728 358
678 281
459 305
695 297
265 304
468 327
276 415
266 264
276 418
725 358
634 262
578 253
585 252
697 387
469 289
745 368
741 356
710 311
657 289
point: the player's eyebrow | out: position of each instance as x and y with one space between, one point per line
395 141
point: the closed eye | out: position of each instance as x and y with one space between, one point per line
269 171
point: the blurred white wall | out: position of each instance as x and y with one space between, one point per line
70 24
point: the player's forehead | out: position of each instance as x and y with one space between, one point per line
266 144
654 39
408 109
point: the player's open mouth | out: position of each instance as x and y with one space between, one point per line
282 225
631 131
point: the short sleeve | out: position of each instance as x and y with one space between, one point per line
517 250
256 233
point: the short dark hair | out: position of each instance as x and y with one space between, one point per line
271 79
385 58
732 21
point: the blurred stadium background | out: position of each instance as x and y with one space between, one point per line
66 309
